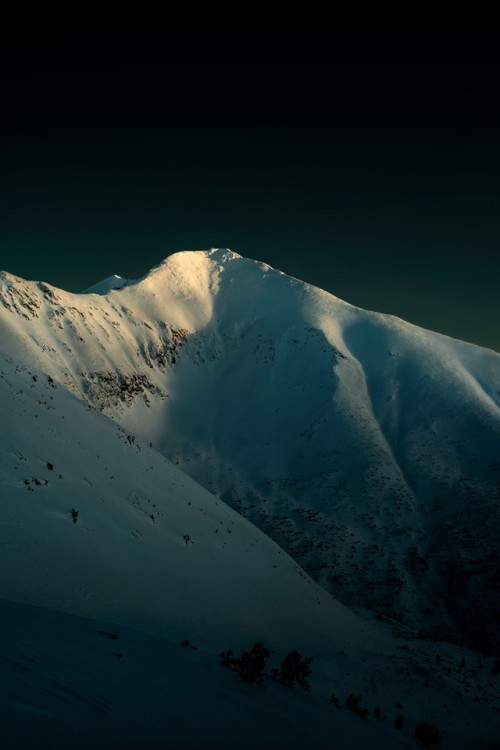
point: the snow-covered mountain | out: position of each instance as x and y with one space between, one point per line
135 414
368 448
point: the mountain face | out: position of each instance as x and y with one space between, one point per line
367 448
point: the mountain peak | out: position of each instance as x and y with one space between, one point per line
185 261
188 260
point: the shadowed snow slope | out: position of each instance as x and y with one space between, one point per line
69 682
366 447
98 524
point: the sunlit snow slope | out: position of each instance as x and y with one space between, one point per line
368 448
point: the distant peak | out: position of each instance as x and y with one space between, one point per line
107 285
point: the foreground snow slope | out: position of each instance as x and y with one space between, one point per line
68 682
366 447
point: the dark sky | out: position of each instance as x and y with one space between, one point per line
361 158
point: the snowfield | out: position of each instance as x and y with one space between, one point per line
182 455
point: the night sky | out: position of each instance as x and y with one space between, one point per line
361 158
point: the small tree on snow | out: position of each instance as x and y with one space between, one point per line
294 670
250 665
427 734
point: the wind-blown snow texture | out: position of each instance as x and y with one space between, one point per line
368 448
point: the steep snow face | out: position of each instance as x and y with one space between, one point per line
366 447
